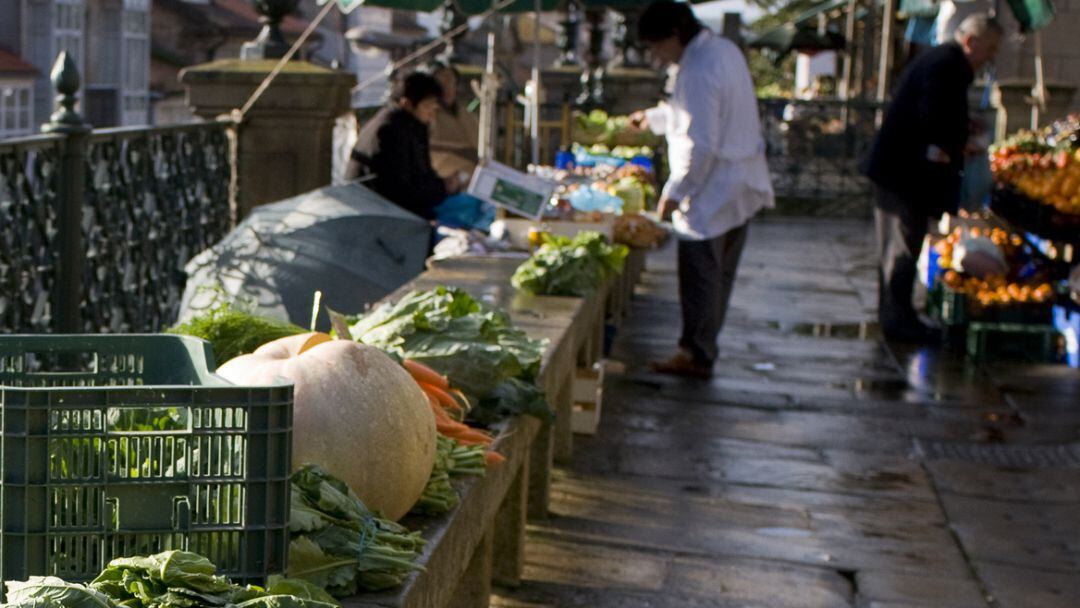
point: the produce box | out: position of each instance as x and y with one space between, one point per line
119 445
517 230
1034 216
1013 341
947 306
588 395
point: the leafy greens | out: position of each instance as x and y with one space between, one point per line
339 544
173 579
569 267
472 343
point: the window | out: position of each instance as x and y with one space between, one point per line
68 24
135 81
16 102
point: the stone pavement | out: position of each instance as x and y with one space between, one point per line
818 468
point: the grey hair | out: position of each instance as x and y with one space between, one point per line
978 25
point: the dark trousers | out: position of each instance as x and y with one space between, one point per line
706 277
900 235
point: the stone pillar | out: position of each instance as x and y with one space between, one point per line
1012 99
284 145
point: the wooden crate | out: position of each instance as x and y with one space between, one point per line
588 394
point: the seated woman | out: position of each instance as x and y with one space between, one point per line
456 132
393 149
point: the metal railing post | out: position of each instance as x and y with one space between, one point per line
70 259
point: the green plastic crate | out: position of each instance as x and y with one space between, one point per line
118 445
1014 341
946 306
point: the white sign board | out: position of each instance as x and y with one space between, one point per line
518 192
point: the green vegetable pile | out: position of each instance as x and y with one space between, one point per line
340 545
470 342
597 127
451 460
570 267
173 579
232 332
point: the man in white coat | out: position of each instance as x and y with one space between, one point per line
718 174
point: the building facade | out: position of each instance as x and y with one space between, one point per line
110 43
16 95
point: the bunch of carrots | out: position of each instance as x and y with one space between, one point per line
450 405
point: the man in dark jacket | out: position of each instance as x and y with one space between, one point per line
393 148
917 161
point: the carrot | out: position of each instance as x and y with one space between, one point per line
441 395
460 396
471 436
424 374
448 428
492 458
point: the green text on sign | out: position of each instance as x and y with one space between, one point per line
517 198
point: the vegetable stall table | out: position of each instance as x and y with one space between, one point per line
483 538
480 540
488 278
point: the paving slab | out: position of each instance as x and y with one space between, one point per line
1018 587
793 478
877 588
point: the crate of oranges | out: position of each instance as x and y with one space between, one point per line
998 299
1038 179
1004 297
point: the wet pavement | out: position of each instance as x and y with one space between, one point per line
819 468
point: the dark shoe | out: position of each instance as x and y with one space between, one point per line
682 364
914 334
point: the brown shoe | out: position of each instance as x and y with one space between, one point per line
682 364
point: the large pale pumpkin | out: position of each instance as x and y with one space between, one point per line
356 413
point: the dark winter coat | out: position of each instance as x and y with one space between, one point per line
393 147
930 107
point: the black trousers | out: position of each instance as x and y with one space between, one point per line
706 277
900 235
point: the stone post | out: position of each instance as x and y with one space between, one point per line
284 145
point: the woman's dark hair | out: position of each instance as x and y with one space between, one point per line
417 87
666 18
437 65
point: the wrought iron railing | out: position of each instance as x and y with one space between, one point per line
96 226
154 198
814 149
29 191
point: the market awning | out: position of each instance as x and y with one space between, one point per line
1032 14
473 7
802 38
824 7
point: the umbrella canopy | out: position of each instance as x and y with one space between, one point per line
346 241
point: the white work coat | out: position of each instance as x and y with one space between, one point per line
716 152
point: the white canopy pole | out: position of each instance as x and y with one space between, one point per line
534 98
1038 93
488 93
